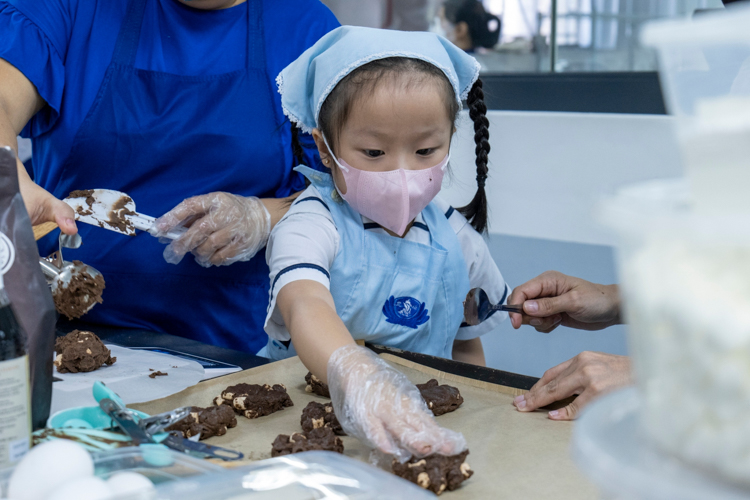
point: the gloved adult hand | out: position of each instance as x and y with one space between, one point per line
380 406
223 229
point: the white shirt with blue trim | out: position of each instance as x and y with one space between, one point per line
305 242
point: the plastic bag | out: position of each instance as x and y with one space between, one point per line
27 289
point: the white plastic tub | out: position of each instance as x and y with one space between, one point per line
704 68
685 281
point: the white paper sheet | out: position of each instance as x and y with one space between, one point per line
128 377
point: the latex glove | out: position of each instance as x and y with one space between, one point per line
590 374
553 299
381 407
223 229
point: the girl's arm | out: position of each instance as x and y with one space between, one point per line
373 401
310 316
469 351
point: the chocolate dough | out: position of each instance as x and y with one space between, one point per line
316 386
317 415
253 401
208 422
75 299
117 215
158 374
81 351
83 193
317 439
435 472
440 398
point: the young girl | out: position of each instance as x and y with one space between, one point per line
365 252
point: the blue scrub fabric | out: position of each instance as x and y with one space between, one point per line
65 47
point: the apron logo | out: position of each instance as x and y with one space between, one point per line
406 311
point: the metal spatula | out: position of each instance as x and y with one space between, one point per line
112 210
477 307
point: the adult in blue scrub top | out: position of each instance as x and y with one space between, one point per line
163 100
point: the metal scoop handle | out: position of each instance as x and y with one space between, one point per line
48 268
157 423
478 307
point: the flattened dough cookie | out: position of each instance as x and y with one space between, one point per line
316 386
436 473
440 399
208 422
253 401
317 415
317 439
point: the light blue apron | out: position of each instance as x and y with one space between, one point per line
388 290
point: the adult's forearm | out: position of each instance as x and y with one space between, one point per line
613 291
19 101
9 137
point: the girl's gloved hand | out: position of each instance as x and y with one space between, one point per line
380 406
223 229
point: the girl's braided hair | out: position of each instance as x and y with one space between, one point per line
339 103
476 210
299 153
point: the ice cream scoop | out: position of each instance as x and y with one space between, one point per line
88 283
60 279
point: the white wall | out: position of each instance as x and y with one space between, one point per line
548 170
24 148
370 13
547 173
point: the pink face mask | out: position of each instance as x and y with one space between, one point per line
394 198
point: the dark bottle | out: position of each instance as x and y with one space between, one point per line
15 395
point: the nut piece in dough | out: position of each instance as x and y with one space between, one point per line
317 439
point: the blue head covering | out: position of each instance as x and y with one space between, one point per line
305 83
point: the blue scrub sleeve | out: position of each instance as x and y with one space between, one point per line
27 48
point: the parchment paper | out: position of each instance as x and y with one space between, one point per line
128 377
514 455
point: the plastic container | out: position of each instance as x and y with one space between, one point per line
309 475
704 68
160 465
685 282
611 449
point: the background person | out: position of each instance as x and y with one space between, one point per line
468 25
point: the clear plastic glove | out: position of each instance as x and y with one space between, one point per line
381 407
223 229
